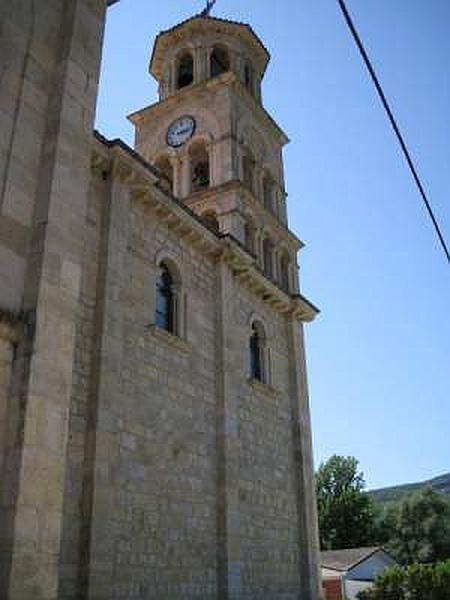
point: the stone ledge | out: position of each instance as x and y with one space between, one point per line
169 338
262 387
11 327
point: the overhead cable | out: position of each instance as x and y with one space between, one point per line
394 126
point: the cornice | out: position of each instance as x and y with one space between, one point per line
229 79
116 159
237 186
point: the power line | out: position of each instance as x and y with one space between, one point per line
394 126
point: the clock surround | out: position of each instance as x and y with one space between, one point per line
180 131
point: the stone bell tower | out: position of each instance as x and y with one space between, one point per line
220 153
211 136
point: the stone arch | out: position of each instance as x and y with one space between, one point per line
169 302
184 68
258 351
219 60
199 165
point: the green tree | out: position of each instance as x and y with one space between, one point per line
346 513
414 582
421 531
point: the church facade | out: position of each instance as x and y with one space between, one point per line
155 437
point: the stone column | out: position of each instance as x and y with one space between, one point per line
176 165
308 533
32 495
228 515
185 176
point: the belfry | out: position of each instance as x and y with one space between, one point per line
155 438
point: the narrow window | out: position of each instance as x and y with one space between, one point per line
255 354
185 71
199 167
164 317
267 257
267 193
220 63
249 232
248 171
284 271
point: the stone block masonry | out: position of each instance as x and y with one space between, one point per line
139 463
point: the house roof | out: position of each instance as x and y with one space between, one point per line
343 560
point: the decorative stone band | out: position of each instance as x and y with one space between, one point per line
115 159
11 327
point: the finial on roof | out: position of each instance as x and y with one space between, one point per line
206 11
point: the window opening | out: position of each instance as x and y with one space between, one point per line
199 167
248 171
267 257
255 354
164 316
284 272
220 62
185 71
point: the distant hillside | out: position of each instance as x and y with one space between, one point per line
398 492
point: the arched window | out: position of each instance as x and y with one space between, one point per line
164 311
268 193
210 219
284 271
256 350
268 257
219 61
248 171
164 165
185 72
199 160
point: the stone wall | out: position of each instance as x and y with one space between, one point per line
50 58
181 477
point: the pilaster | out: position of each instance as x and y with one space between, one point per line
228 444
106 405
306 497
32 494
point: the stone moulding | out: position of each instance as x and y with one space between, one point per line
169 338
144 182
11 326
196 91
263 387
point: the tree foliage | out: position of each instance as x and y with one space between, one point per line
415 582
346 513
420 531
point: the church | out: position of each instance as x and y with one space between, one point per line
155 437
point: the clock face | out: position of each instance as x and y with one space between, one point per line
180 131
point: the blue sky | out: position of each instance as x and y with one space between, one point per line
379 353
